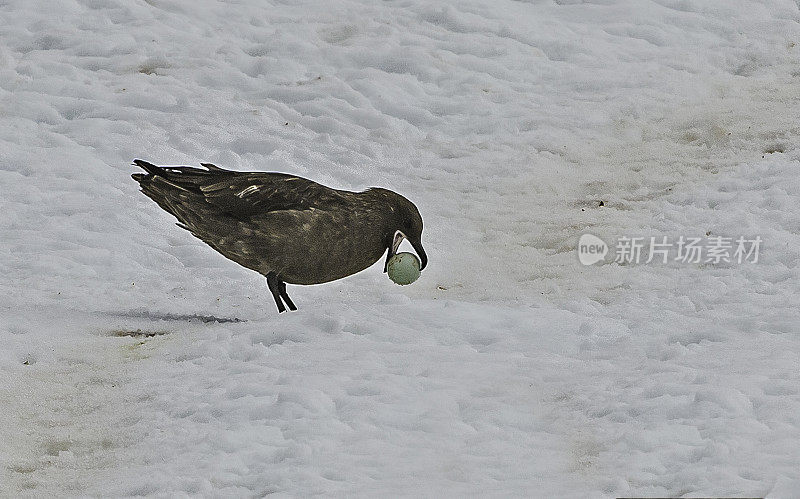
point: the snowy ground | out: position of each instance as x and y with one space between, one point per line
135 360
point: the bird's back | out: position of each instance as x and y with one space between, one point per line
237 194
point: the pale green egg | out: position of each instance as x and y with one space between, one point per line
403 268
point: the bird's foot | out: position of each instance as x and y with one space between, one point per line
282 289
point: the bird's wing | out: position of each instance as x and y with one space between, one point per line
245 196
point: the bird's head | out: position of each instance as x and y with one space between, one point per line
405 222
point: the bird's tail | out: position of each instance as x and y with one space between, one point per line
150 168
158 185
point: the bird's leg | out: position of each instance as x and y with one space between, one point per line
274 287
282 290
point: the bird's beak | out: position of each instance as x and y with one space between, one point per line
417 245
423 258
398 238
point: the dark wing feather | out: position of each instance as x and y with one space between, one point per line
243 195
258 193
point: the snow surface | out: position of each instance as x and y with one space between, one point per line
137 361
